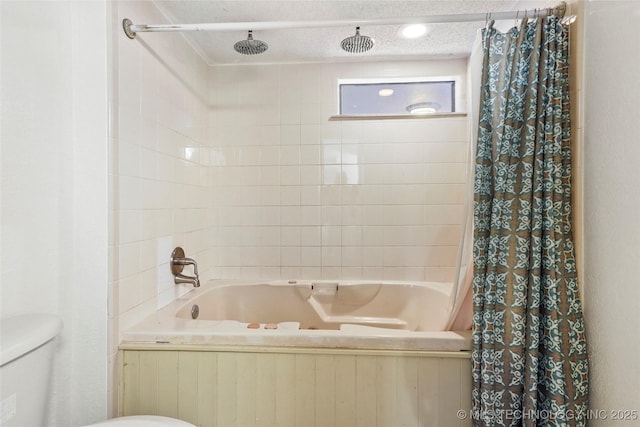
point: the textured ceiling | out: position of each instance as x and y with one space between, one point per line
323 44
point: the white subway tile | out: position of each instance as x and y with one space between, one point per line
290 175
270 256
331 215
129 159
413 274
415 256
331 154
270 135
351 273
129 193
310 256
310 154
310 236
373 194
351 215
331 174
373 215
129 223
311 113
373 154
352 235
250 156
270 236
445 173
270 114
290 236
128 260
270 155
330 133
331 195
290 155
446 152
289 272
393 256
270 273
351 256
373 256
310 215
290 256
269 175
310 134
443 214
250 236
393 273
372 272
290 196
331 235
309 194
351 174
270 215
250 256
249 215
351 132
310 272
128 293
272 195
331 256
310 175
251 272
290 135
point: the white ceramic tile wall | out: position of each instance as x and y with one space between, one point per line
160 173
299 196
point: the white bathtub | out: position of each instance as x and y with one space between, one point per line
326 314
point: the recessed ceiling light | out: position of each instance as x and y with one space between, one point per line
413 31
385 92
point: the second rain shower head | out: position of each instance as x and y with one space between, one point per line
250 46
357 43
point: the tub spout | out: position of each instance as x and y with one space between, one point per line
178 261
180 278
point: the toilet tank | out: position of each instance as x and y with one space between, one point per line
26 355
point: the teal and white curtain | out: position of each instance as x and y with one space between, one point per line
529 350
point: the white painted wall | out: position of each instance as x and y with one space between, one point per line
54 188
612 203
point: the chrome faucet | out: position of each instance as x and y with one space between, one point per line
178 261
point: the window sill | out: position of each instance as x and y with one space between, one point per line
395 116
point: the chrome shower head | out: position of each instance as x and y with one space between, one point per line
357 43
250 46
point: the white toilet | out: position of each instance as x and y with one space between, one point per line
26 353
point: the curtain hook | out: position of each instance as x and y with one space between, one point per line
488 21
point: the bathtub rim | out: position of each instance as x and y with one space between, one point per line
164 327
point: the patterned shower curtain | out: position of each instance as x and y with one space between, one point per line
529 351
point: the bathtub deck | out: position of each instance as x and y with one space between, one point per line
234 333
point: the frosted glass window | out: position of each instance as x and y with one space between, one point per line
380 98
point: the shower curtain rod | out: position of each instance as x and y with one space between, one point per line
131 29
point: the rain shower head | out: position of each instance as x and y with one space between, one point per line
250 46
357 43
